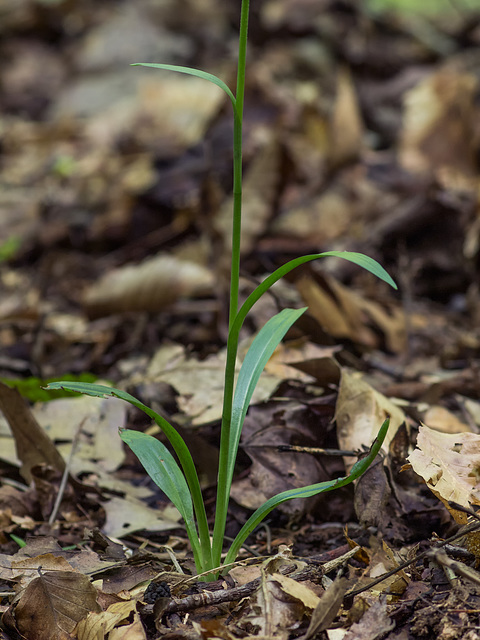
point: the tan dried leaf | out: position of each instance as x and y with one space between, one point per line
360 412
374 623
297 590
344 313
346 126
327 607
440 127
149 286
450 466
32 443
99 624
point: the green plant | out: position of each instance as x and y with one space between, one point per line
180 483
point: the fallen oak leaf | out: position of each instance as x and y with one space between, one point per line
52 604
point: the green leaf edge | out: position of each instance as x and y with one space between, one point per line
197 73
162 468
306 492
177 442
257 356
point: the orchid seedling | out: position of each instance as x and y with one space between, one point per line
179 480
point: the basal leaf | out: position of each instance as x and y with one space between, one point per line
177 442
160 465
306 492
260 351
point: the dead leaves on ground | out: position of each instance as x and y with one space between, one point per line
381 160
55 599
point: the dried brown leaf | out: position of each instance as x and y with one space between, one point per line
375 623
360 411
450 465
100 623
440 124
346 126
150 286
344 313
53 603
32 443
327 608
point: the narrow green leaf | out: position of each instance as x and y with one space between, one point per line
261 349
360 259
160 465
197 73
306 492
177 442
369 264
259 353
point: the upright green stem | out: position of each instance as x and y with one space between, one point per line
224 482
237 161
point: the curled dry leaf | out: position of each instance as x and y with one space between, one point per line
346 126
375 623
440 127
266 428
273 610
450 465
150 286
32 444
360 411
343 313
441 419
99 623
327 608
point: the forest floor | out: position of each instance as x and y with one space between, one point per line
362 133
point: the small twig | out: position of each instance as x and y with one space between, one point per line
458 568
316 450
63 483
475 526
208 598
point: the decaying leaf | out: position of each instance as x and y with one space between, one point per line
200 383
125 515
327 608
24 570
343 313
32 443
102 622
375 623
361 410
441 419
382 560
266 428
450 465
150 286
346 126
53 603
273 610
440 124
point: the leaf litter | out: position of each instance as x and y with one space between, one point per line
361 134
